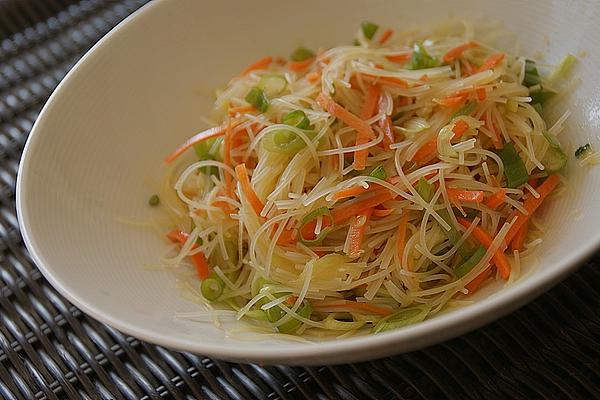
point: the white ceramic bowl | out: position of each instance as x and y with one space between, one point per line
141 91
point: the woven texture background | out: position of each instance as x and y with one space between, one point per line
50 350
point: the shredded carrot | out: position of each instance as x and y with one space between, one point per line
496 199
399 58
198 259
288 236
197 138
260 64
242 109
518 243
456 52
402 234
426 152
532 182
481 94
460 127
363 130
242 175
485 239
359 307
386 81
386 35
382 212
456 195
313 77
452 101
531 204
298 66
404 101
281 61
371 101
468 68
357 231
491 62
342 213
478 280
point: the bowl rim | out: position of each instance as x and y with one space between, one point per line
440 328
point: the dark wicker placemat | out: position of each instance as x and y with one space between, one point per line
49 349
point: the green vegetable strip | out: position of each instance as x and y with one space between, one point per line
468 265
421 59
379 173
212 287
256 96
319 212
425 189
403 317
369 29
467 109
532 76
555 158
296 118
275 313
285 142
301 53
514 169
454 236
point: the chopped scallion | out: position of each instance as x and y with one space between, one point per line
369 29
379 172
583 151
472 261
401 318
319 212
425 189
212 287
421 59
154 200
256 97
555 158
296 118
301 53
514 168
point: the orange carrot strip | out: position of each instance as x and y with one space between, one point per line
342 213
481 94
491 62
260 64
356 190
456 52
531 204
425 152
479 279
382 212
288 236
367 111
314 76
460 127
456 195
198 259
399 58
357 231
363 130
387 81
496 199
197 138
359 307
518 242
468 68
386 35
298 66
485 239
242 175
402 234
452 101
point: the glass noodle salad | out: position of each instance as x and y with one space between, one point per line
366 187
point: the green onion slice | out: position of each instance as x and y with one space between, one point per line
296 118
421 59
369 29
514 168
583 151
401 318
301 53
425 189
212 287
472 261
319 212
284 141
256 97
379 173
555 158
272 85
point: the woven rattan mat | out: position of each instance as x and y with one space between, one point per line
50 350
